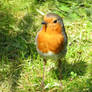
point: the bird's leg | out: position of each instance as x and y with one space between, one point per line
60 73
44 72
60 68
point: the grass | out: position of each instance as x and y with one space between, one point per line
21 67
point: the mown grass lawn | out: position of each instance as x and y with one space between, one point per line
21 67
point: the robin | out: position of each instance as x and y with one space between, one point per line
51 40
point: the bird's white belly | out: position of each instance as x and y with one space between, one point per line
48 55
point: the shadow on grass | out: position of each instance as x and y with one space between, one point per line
79 67
89 84
16 43
89 79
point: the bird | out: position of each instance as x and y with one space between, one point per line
51 40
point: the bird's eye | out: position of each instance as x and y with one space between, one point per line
55 21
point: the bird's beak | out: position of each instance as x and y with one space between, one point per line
44 25
44 22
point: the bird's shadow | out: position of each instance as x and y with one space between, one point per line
78 66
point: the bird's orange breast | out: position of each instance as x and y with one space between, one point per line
53 42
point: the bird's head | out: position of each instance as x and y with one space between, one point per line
52 23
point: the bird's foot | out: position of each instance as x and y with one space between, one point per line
42 85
